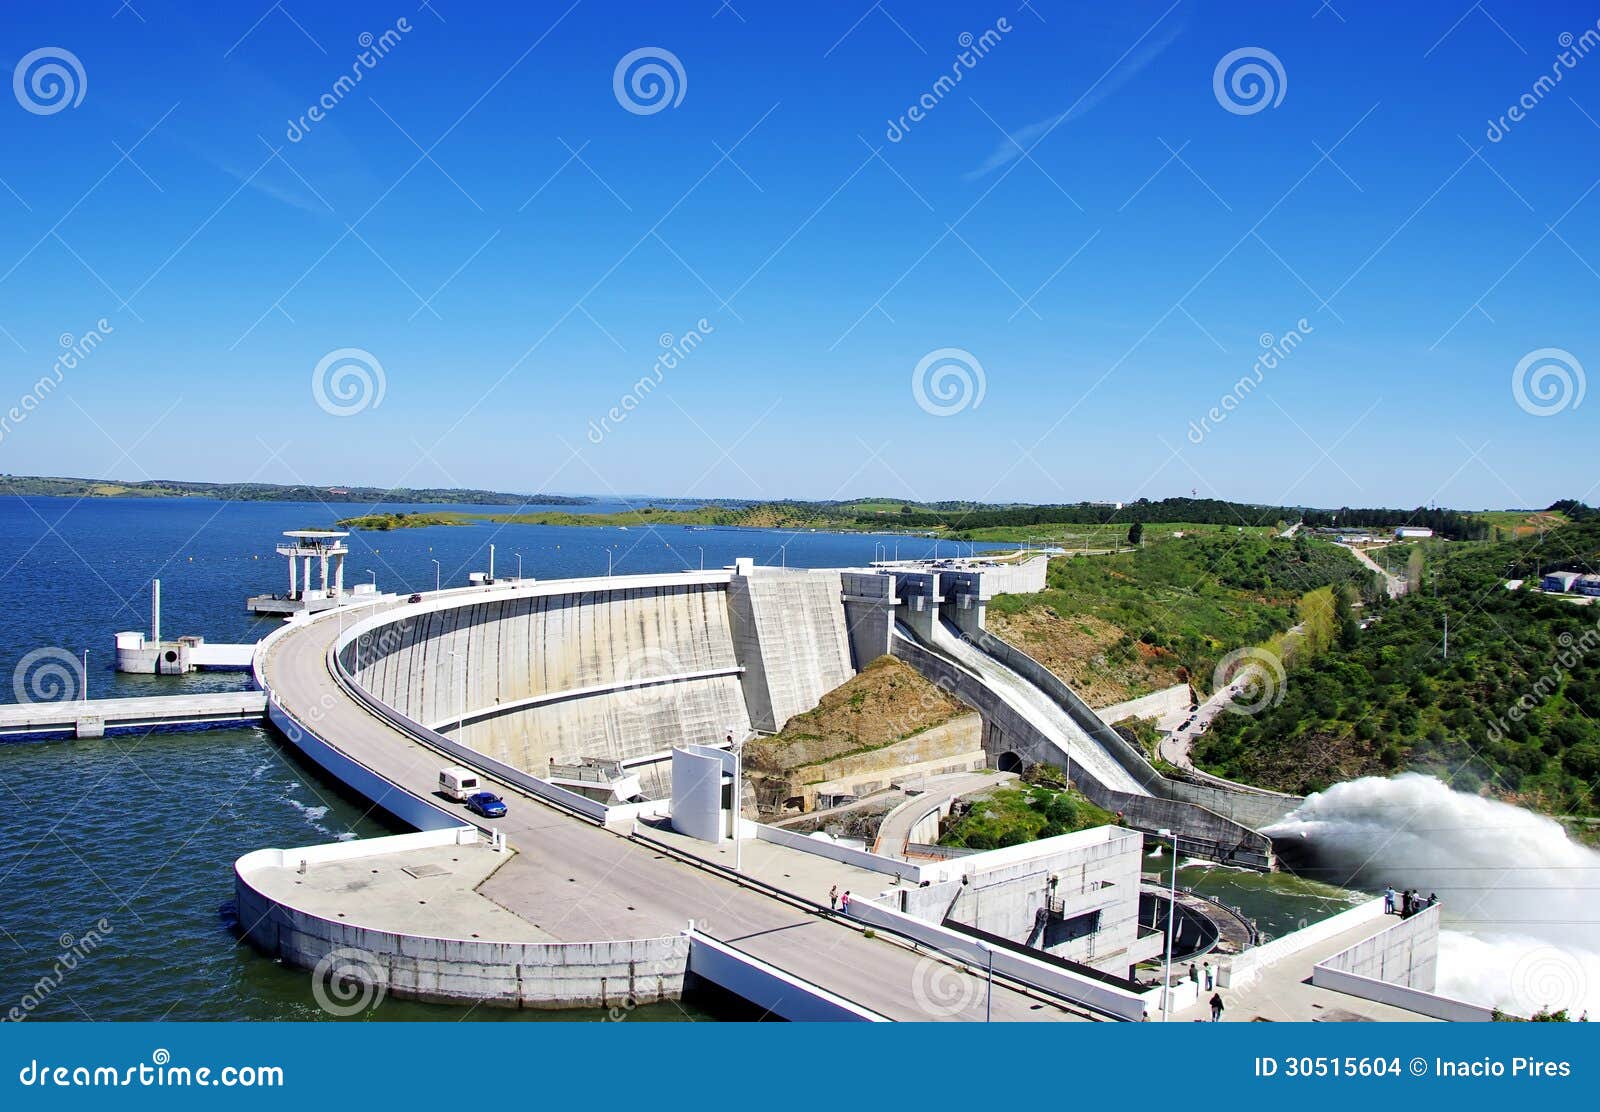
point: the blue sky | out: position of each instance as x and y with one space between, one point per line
514 284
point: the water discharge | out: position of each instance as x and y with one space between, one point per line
1521 899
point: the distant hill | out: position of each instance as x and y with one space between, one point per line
269 492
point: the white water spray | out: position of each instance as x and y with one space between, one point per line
1521 900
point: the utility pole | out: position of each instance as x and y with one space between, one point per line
1172 907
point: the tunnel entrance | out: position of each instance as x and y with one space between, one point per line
1009 762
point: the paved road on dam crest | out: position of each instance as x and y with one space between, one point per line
580 882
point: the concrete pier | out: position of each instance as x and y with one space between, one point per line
96 717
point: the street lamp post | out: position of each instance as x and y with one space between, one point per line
608 563
988 1002
85 676
1172 908
702 549
737 747
437 569
374 576
519 567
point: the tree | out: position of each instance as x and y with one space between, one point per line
1136 532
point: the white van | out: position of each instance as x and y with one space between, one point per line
458 783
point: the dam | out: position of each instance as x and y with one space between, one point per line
609 712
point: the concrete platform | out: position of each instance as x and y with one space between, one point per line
427 892
96 717
1281 992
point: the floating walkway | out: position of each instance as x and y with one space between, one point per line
97 717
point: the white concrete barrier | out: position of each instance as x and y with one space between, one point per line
766 986
1103 998
860 858
1399 996
1241 969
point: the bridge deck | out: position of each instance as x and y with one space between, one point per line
579 882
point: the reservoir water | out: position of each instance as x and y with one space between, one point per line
140 833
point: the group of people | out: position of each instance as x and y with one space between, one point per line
837 902
1407 903
1210 979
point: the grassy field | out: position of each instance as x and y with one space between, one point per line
1009 816
382 523
1509 524
1117 627
886 702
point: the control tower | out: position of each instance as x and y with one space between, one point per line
302 547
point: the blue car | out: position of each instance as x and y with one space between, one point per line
487 804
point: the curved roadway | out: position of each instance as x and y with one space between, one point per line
581 882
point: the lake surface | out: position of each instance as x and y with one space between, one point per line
142 832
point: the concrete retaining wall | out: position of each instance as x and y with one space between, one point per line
954 746
1202 832
1404 954
1157 704
1251 808
1103 998
1398 966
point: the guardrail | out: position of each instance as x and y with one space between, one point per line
471 758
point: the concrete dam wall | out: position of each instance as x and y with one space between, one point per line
622 670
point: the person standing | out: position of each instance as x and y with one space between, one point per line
1405 904
1388 900
1209 981
833 898
1194 975
1216 1007
844 902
